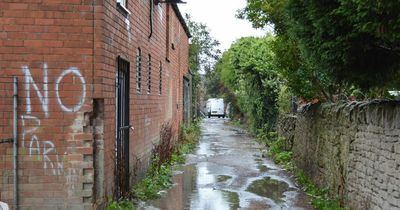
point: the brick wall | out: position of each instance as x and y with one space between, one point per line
122 36
49 46
6 133
354 149
65 56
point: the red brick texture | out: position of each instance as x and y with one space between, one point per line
64 53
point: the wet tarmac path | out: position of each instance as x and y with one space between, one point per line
227 171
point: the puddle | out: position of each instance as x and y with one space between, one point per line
269 188
208 198
217 176
223 178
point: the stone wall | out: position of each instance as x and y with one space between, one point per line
352 148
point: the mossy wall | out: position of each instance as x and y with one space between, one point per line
352 148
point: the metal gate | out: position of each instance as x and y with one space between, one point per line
123 127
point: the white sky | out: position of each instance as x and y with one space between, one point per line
219 16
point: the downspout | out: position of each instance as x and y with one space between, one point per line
15 143
151 17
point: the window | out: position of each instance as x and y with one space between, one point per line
138 70
160 84
122 3
149 76
123 7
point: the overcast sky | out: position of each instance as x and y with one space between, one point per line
219 16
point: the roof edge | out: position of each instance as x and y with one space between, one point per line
181 19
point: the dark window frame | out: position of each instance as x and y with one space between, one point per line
149 75
138 71
160 82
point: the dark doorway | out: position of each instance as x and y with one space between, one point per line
123 127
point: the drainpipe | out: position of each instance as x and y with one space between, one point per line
15 143
151 17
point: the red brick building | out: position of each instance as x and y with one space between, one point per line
96 81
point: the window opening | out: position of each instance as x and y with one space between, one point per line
160 84
149 76
138 70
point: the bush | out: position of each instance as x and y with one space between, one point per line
284 102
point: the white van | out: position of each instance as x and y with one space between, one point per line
3 206
216 107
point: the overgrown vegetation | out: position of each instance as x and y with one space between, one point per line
279 149
248 72
326 48
320 198
320 51
121 205
165 155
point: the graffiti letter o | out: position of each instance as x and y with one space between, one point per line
72 70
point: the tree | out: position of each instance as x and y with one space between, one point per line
299 75
354 41
266 12
203 53
248 71
332 45
203 48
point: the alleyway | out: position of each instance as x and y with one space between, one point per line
227 172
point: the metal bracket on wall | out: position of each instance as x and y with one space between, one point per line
3 141
127 127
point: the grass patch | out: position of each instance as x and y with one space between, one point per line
280 151
155 181
159 174
319 196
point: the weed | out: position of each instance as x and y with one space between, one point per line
159 174
120 205
281 153
155 181
319 196
166 154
